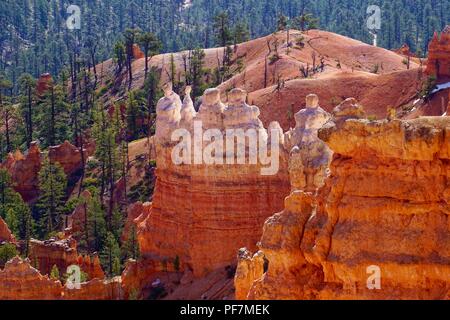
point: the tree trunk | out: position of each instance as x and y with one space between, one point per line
30 119
52 121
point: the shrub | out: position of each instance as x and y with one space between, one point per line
428 86
274 58
375 69
7 252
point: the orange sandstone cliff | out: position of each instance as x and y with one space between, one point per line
378 228
202 213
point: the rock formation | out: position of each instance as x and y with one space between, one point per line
68 156
310 157
211 110
137 52
439 55
249 269
20 281
76 221
45 254
202 213
168 114
62 254
348 109
96 290
135 210
5 233
377 229
405 50
448 106
187 109
24 170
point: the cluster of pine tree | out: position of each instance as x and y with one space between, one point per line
34 37
70 110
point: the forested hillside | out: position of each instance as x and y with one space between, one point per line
34 37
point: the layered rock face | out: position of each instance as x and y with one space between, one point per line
439 55
379 227
204 209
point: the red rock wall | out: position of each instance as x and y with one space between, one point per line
203 214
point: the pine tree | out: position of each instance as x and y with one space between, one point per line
110 255
106 152
27 85
130 36
12 221
52 188
53 114
305 22
7 252
222 30
131 247
6 113
241 33
14 210
54 273
282 22
119 55
150 45
96 223
196 72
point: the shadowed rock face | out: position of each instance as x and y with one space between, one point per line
385 204
203 213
